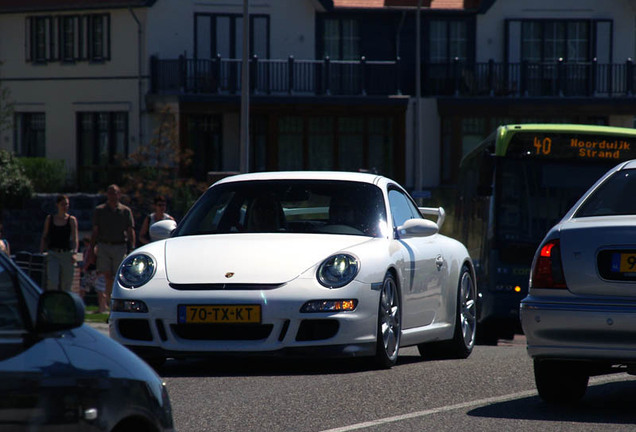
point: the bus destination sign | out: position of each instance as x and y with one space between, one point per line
572 146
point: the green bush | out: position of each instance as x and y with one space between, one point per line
47 175
15 185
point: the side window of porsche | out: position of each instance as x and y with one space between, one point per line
10 314
401 208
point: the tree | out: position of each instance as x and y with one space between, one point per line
15 186
154 169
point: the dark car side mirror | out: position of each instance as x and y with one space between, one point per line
59 310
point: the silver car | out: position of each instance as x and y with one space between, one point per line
580 314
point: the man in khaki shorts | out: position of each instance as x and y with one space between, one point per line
113 232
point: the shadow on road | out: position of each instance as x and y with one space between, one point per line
258 365
261 366
611 403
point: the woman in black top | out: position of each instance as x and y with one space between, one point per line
59 240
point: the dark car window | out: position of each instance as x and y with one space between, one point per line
613 197
288 206
11 317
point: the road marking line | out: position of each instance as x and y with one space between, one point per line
479 402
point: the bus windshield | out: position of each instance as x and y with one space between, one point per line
532 196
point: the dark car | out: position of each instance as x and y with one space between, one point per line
57 374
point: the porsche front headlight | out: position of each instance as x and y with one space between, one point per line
337 270
136 270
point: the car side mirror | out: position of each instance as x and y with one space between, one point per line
162 230
418 228
59 310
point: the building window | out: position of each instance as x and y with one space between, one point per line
30 134
549 41
222 34
41 46
205 140
291 143
98 37
68 38
341 39
345 143
448 39
102 145
259 128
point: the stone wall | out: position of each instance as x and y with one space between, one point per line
23 226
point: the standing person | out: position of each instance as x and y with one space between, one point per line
159 214
59 241
4 243
113 233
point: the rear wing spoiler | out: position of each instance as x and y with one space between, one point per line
434 211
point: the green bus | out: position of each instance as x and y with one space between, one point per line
513 187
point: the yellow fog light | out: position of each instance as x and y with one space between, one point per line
517 288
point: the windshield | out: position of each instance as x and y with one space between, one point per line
288 206
613 197
532 196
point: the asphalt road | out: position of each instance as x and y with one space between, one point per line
492 390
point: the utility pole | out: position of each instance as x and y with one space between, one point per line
245 92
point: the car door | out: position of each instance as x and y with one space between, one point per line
35 393
421 267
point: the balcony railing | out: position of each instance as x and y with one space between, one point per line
276 77
362 77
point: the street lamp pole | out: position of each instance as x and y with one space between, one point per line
245 92
418 101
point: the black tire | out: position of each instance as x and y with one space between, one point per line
463 341
560 382
389 324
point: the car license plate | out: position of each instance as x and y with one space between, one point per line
219 314
624 262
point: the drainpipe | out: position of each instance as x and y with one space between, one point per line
399 34
139 77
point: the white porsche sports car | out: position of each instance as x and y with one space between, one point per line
298 263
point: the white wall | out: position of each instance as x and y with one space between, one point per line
292 25
61 90
430 162
292 29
